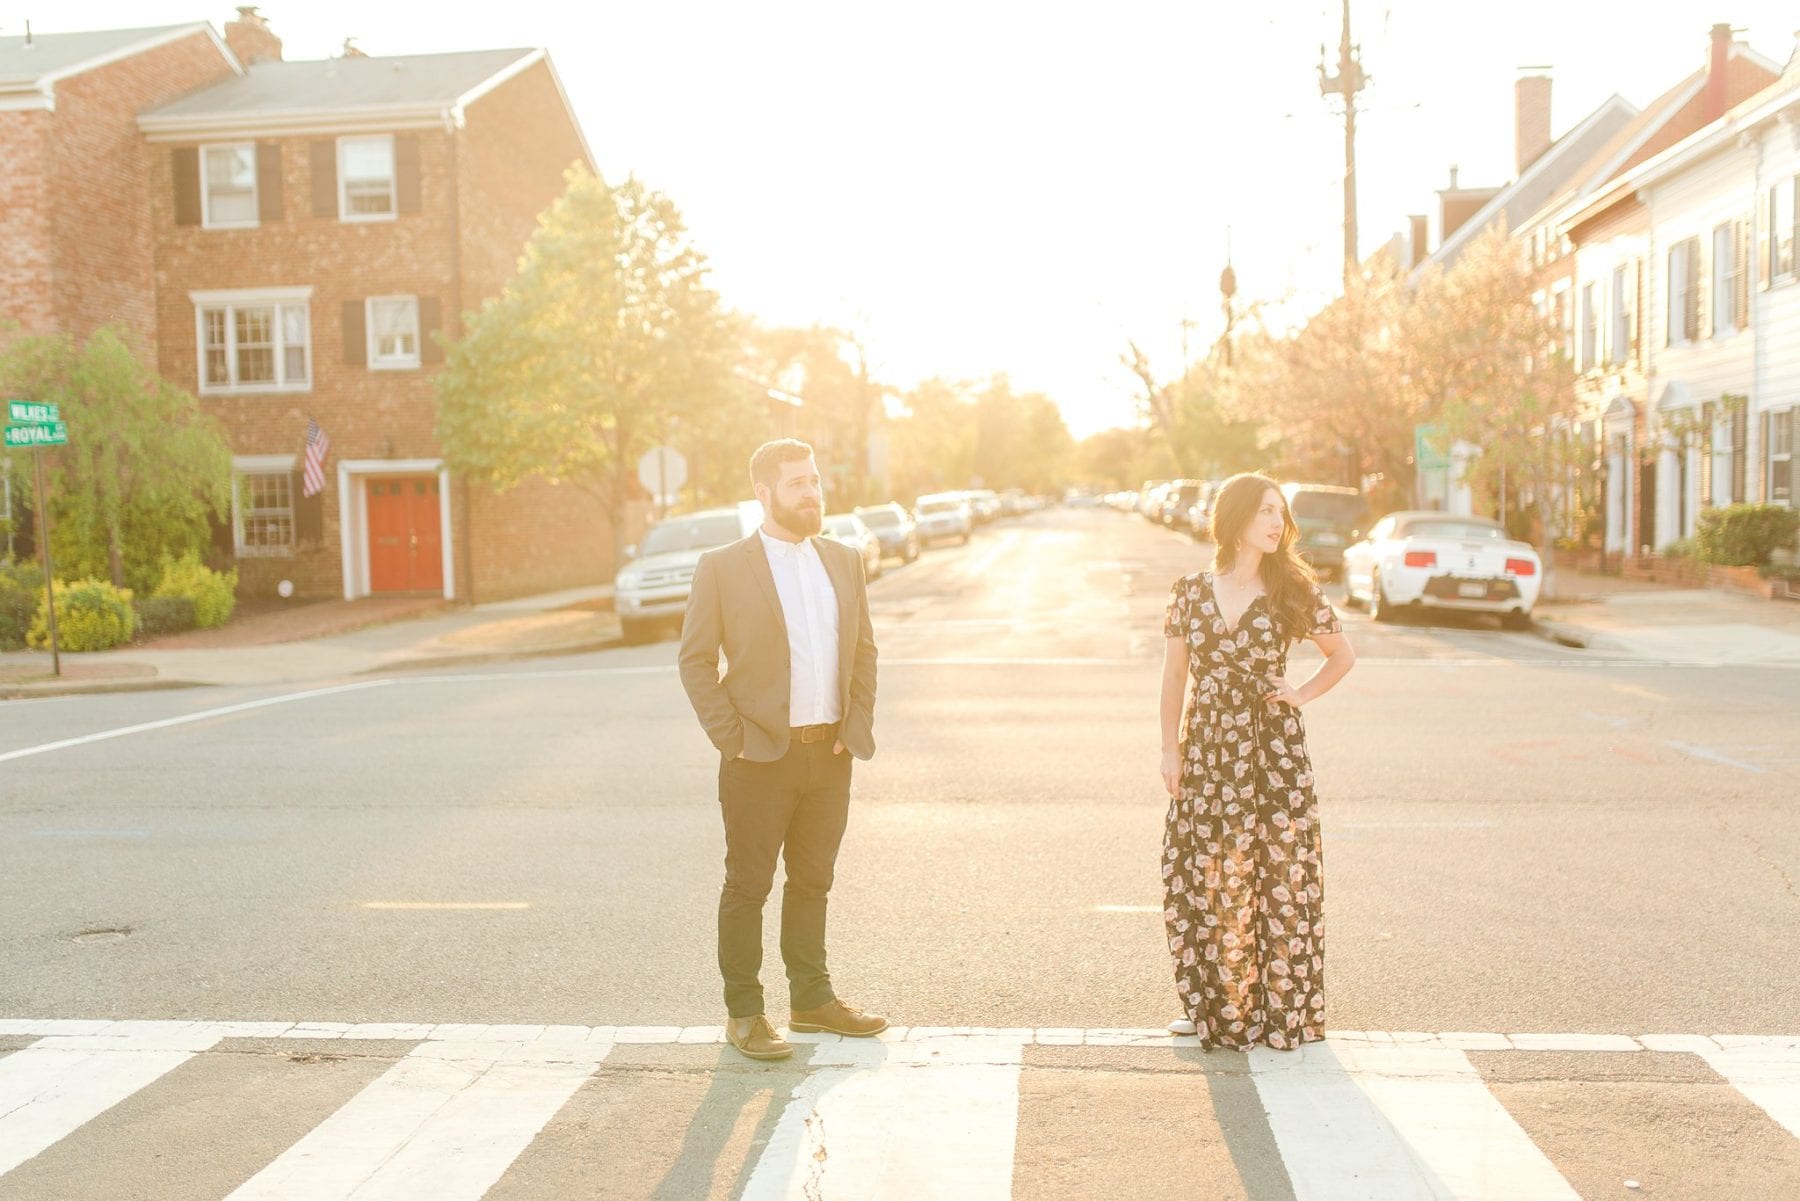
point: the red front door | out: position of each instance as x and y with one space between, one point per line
406 545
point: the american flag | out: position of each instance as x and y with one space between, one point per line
317 446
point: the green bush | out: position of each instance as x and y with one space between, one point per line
162 615
1746 535
26 576
214 593
1681 548
17 608
91 615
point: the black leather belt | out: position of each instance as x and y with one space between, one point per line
813 733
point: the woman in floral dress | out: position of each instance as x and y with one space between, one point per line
1241 872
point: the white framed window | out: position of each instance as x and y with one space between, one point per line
1725 280
256 341
228 198
262 505
1782 219
366 189
1684 292
1621 314
1781 457
1590 326
393 325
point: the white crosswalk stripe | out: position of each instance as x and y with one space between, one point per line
918 1114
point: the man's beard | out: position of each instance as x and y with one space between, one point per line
804 522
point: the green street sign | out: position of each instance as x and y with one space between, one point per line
53 433
31 412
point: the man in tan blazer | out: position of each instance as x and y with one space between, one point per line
796 701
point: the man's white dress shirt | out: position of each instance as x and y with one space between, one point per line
809 606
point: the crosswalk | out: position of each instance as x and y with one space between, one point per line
311 1111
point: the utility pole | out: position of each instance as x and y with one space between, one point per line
1348 82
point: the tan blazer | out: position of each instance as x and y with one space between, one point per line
734 607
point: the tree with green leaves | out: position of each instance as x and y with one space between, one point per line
607 340
145 472
1488 366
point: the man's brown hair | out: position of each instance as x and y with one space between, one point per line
765 464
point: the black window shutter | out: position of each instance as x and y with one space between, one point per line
406 171
324 179
356 335
268 181
431 320
309 513
1708 415
184 163
1691 315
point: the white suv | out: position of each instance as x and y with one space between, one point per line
653 587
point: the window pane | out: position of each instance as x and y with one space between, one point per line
255 329
368 166
396 326
231 184
1781 232
218 369
265 502
293 342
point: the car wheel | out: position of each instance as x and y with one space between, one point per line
1518 619
636 631
1379 609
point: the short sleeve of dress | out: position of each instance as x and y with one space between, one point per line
1324 619
1175 623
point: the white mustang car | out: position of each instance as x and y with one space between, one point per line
1423 558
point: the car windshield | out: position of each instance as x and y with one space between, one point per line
939 506
1453 529
880 517
691 533
841 527
1333 508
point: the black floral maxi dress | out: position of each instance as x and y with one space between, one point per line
1242 886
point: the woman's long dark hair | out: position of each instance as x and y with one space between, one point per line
1285 576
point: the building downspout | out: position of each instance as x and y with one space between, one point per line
453 330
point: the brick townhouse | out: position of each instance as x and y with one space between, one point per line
301 232
68 130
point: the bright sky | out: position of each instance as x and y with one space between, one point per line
1022 187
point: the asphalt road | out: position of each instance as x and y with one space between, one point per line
1519 837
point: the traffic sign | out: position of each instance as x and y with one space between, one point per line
53 433
662 471
31 412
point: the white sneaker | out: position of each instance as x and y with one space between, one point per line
1182 1026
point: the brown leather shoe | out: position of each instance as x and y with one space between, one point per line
835 1017
756 1038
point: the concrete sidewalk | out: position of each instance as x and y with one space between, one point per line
1634 619
409 637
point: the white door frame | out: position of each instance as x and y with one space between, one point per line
353 518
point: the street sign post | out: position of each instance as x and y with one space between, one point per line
35 424
662 471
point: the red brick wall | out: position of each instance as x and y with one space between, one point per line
27 293
100 214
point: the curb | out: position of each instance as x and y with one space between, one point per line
1562 634
25 692
475 658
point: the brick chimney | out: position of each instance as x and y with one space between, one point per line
251 39
1717 65
1531 119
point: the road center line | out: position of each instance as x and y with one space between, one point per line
430 905
186 718
1711 756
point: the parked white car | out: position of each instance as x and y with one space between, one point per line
945 515
1438 560
854 533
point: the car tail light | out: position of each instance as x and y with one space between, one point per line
1421 558
1520 567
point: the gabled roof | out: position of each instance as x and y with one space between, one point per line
1525 195
334 84
1662 123
339 95
35 63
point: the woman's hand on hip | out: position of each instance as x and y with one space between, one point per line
1171 771
1285 695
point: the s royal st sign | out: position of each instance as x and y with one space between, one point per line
34 423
